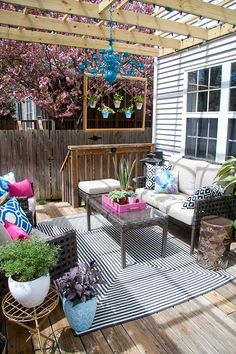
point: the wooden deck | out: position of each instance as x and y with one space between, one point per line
206 324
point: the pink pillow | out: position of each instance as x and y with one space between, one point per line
15 232
21 189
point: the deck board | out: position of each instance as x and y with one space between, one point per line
206 324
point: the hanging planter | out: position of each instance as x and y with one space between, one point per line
105 110
138 102
128 114
93 100
92 104
117 99
128 111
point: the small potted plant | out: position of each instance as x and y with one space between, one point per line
105 110
27 264
128 111
138 101
132 197
79 290
93 99
117 97
119 197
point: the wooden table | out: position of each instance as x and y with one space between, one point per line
21 315
129 220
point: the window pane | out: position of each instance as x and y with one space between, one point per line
192 81
191 126
203 79
215 79
202 127
214 101
233 75
232 129
211 150
232 100
213 128
191 102
201 149
190 146
202 102
231 148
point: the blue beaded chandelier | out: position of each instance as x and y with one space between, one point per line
108 64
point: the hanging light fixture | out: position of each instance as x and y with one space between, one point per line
108 64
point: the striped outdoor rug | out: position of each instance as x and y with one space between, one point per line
149 283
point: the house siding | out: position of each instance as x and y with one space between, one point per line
168 129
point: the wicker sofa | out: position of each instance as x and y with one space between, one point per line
193 174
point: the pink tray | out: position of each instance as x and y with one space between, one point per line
122 208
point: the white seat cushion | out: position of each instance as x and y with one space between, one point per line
99 186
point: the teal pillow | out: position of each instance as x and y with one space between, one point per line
12 212
166 182
3 186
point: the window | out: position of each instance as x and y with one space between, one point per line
231 146
203 93
232 97
201 137
29 111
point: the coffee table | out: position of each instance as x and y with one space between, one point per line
130 220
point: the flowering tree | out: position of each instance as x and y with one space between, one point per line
50 75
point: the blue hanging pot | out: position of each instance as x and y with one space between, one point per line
105 114
128 114
81 315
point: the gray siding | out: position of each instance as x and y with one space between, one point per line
170 87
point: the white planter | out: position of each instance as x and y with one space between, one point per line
139 105
92 104
31 293
117 104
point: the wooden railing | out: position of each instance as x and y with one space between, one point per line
90 162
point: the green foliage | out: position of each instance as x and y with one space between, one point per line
94 97
227 173
124 172
117 195
104 108
129 108
138 99
117 97
26 260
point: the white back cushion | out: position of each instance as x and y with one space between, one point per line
187 173
205 174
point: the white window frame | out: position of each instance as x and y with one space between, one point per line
223 115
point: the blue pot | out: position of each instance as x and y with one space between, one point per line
128 114
80 316
105 114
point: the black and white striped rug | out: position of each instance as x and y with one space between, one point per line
149 283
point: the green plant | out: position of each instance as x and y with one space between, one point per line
94 97
117 97
227 174
117 195
123 172
26 260
80 284
104 108
138 99
129 108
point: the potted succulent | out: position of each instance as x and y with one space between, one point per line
227 174
27 264
138 101
93 99
128 111
105 110
117 97
79 292
120 197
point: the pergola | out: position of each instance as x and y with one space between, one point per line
172 26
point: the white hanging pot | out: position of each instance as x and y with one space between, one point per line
31 293
92 104
117 104
139 105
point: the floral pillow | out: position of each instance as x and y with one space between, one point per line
166 182
151 171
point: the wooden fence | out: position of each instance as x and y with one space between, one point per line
40 153
84 163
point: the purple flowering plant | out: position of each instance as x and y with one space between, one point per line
80 284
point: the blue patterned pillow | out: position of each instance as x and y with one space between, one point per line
166 182
151 172
12 212
3 186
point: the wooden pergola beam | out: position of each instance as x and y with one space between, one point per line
36 22
122 4
199 8
126 17
104 5
73 41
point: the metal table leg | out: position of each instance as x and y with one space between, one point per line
123 251
164 240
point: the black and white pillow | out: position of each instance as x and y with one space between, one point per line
203 193
151 171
